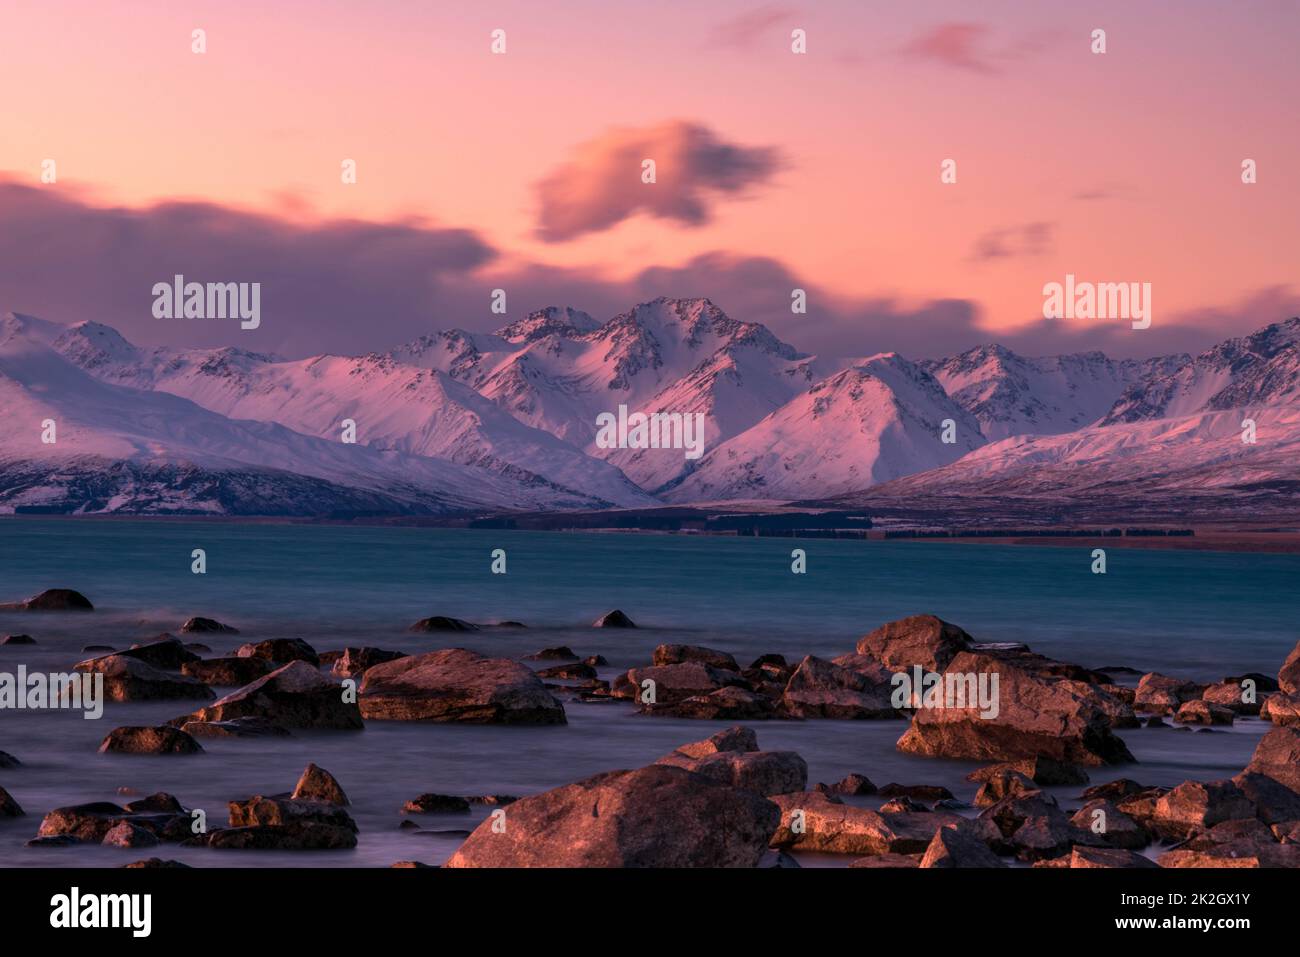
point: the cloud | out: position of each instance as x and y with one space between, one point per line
600 186
740 32
1012 242
958 45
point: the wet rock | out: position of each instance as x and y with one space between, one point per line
919 792
1007 784
130 679
159 803
680 654
1231 694
88 648
442 623
1034 826
902 803
408 865
354 661
956 845
492 799
822 689
1114 790
613 619
155 863
295 695
814 822
1040 770
436 804
856 784
1281 709
1240 854
235 728
731 739
1288 676
52 599
301 836
725 704
888 860
457 685
574 671
317 784
1160 694
1201 711
1195 805
8 761
262 811
85 822
1112 826
280 651
558 653
764 772
18 640
1278 756
673 683
1275 803
1037 717
126 834
143 740
207 626
1108 857
8 806
917 640
230 672
166 652
658 816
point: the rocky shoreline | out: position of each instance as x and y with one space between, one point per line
722 800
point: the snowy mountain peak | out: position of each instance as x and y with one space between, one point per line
551 321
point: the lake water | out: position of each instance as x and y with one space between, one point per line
1196 614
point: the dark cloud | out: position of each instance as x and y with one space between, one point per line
1013 242
600 186
350 287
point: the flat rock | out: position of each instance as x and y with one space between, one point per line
130 679
295 695
235 728
657 816
1108 857
457 685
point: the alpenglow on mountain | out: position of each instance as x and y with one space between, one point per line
458 422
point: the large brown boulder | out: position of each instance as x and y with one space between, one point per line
1161 694
145 740
678 654
228 672
1108 857
674 683
812 821
52 599
1231 695
766 772
1281 709
658 816
1117 829
295 695
917 640
457 685
822 689
354 661
1278 756
263 823
958 845
1037 717
317 784
166 652
130 679
280 651
1195 805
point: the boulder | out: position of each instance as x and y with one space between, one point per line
1108 857
295 695
570 671
126 834
815 822
1278 756
457 685
918 792
1230 694
1037 717
854 784
1113 790
130 679
1003 785
957 845
679 654
726 704
674 683
207 626
144 740
1111 825
8 761
1275 803
354 661
731 739
764 772
1040 770
84 822
166 652
558 653
280 651
917 640
155 863
1200 711
52 599
1160 694
888 861
304 836
1195 805
234 728
442 623
18 640
8 806
230 672
822 689
1288 676
1282 710
658 816
262 811
160 803
613 619
317 784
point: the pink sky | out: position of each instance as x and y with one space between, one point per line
1116 167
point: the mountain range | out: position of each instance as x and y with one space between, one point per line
459 422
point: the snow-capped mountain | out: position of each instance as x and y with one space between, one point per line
880 419
1013 395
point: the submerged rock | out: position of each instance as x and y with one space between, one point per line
613 619
8 806
436 804
295 695
317 784
52 599
680 654
143 740
230 672
658 816
442 623
457 685
280 651
354 661
207 626
18 640
130 679
252 727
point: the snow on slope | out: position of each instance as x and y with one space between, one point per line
870 423
398 407
1013 395
102 427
